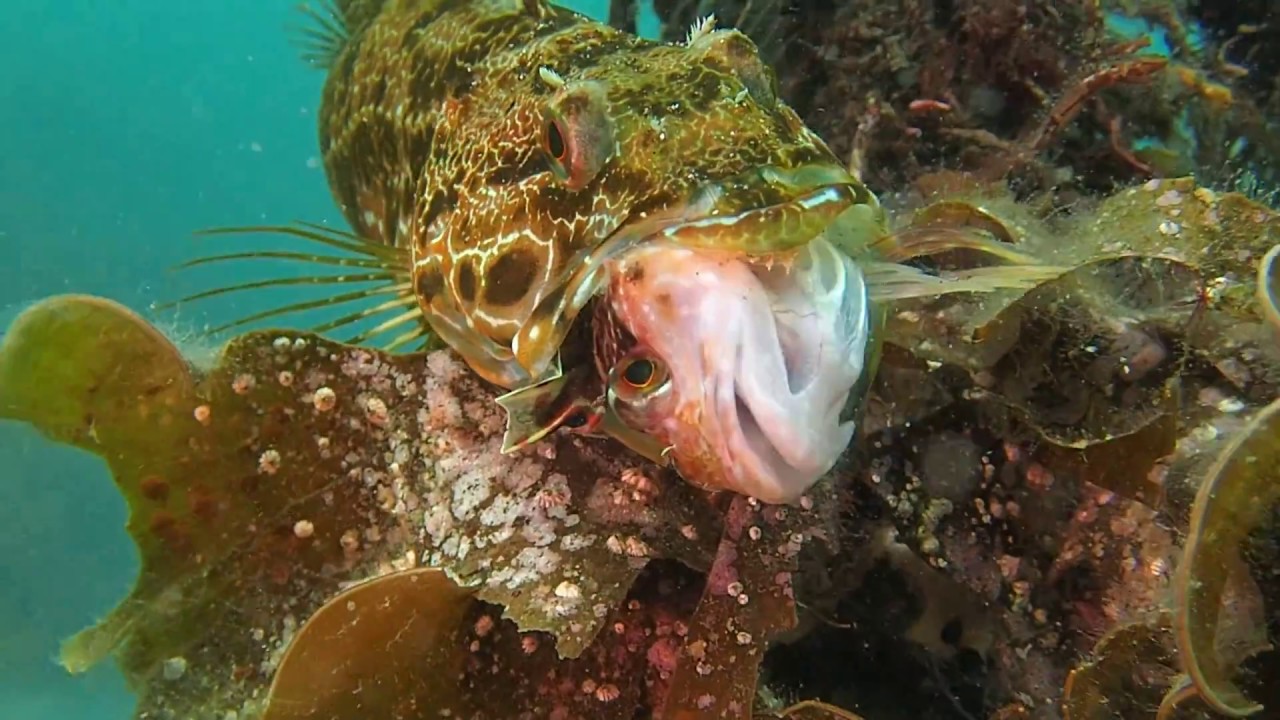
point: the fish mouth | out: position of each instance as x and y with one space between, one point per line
768 213
764 359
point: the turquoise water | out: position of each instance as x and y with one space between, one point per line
123 127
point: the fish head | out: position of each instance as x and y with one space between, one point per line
734 332
710 229
584 149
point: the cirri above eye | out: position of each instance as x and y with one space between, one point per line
577 133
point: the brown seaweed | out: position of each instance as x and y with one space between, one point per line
1127 676
1238 495
379 649
259 488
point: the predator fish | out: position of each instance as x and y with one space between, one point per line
636 239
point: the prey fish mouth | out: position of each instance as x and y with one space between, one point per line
763 322
762 362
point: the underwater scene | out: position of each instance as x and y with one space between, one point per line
509 360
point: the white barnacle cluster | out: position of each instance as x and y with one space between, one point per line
424 444
1177 208
507 517
375 388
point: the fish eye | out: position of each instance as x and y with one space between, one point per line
638 376
575 419
554 142
577 135
639 373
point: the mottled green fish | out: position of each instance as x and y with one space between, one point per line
636 238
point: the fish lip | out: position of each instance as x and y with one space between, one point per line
537 344
827 200
702 205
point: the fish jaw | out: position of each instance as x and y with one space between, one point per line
763 360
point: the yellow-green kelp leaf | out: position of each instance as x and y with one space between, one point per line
976 331
1122 463
1131 668
259 488
968 213
385 648
1268 288
1221 235
1094 350
1238 494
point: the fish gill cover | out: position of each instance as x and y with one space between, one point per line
1060 498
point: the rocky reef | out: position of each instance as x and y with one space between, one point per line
1063 501
1060 99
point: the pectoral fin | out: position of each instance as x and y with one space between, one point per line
527 410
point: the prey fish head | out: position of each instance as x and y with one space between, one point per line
743 374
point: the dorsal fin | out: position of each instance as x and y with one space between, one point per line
323 34
330 25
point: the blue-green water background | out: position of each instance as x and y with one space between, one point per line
124 126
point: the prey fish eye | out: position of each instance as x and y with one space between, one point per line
639 373
638 378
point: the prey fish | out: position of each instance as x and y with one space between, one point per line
636 239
